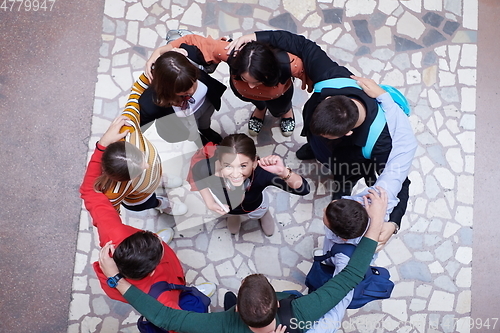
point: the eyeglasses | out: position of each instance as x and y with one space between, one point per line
185 100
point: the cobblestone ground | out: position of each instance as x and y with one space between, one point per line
426 48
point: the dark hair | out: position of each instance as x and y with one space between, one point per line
257 303
173 73
138 254
121 161
346 218
334 116
237 144
259 60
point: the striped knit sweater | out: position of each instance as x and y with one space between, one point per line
138 190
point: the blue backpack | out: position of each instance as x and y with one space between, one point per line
379 122
190 299
375 285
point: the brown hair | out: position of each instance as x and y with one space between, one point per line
121 161
237 144
346 218
138 254
334 116
257 303
172 74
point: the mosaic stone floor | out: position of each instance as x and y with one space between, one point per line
426 48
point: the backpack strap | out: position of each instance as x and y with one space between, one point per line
337 83
379 122
376 129
347 249
285 313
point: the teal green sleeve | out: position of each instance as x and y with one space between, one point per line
313 306
184 321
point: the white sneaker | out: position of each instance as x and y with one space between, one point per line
173 181
207 288
166 235
169 207
317 251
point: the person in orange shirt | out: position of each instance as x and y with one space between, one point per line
259 73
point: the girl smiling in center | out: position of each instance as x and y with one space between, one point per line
233 180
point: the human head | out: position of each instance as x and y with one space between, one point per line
346 218
237 156
259 61
121 161
257 303
173 75
334 117
138 255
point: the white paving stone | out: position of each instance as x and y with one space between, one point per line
387 7
79 306
441 301
464 255
331 36
136 12
359 7
414 5
299 9
468 56
434 99
465 190
266 261
397 251
470 17
433 5
114 8
464 302
410 25
193 258
225 269
193 16
148 38
396 308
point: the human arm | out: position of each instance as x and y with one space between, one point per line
155 55
212 49
404 144
274 164
157 313
316 61
214 206
311 307
317 64
104 216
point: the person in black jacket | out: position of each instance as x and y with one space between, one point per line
181 98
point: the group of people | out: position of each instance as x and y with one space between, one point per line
178 94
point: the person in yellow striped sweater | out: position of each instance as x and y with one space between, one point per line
131 168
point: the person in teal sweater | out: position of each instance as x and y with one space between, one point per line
256 308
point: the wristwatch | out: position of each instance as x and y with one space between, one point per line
113 281
397 227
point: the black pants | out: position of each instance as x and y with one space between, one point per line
152 202
348 166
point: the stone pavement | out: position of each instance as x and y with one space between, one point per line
426 48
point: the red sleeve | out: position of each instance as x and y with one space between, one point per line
104 216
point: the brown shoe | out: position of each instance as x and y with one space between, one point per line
233 224
267 224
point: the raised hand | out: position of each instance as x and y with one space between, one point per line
106 262
113 132
274 164
370 87
238 43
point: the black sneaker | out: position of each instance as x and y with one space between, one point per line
305 152
230 300
209 135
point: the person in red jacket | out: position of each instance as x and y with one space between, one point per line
141 256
